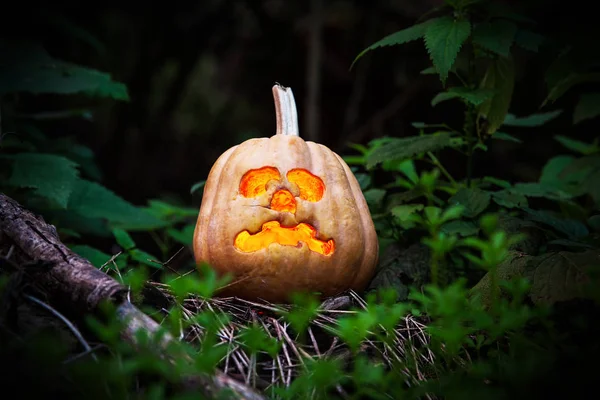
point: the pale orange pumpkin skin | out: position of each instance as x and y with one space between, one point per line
274 272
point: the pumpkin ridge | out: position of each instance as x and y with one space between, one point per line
365 219
209 202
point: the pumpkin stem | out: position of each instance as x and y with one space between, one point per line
285 111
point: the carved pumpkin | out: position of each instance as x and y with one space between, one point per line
283 215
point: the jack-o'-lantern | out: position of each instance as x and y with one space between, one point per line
282 215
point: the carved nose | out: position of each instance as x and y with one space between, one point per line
283 200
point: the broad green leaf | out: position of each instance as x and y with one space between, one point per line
510 199
27 67
444 38
577 145
540 189
587 107
144 258
567 83
505 136
95 201
553 169
532 120
374 197
460 227
403 212
498 182
500 77
554 277
407 167
164 210
496 36
474 201
571 228
184 236
51 176
529 40
512 267
404 36
96 257
123 239
561 276
473 96
402 148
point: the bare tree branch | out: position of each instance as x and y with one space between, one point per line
72 285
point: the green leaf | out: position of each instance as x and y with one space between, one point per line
374 197
95 201
197 186
529 40
51 176
460 227
184 236
403 212
567 83
505 136
123 239
535 189
96 257
444 38
500 77
473 200
532 120
554 167
429 71
510 199
473 96
496 36
404 36
573 229
577 145
587 107
27 67
498 182
144 258
561 276
164 210
402 148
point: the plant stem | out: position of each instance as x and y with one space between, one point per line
438 164
470 114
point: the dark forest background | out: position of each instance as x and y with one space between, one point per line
199 76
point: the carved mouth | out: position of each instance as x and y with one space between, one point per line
273 232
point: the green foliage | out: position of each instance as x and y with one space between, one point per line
444 38
404 36
32 70
50 176
494 257
587 107
400 149
499 77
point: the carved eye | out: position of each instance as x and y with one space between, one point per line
254 182
311 186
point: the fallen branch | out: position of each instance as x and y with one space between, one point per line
75 287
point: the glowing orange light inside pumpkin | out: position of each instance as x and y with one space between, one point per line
273 232
311 186
283 200
254 182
